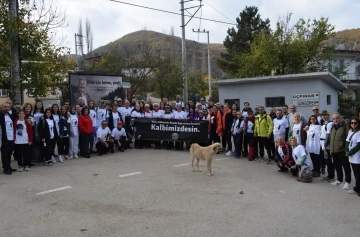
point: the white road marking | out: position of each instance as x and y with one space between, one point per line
54 190
181 165
126 175
223 159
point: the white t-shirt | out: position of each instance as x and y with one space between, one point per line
56 119
250 126
9 128
280 126
313 139
136 114
117 134
148 114
101 116
116 118
158 114
51 124
355 139
296 132
37 117
102 133
298 152
125 112
21 133
325 129
179 115
168 116
74 126
93 117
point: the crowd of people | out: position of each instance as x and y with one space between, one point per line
323 144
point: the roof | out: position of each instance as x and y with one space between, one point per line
325 76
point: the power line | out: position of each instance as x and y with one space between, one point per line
165 11
219 11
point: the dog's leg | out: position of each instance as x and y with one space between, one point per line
208 164
197 164
192 162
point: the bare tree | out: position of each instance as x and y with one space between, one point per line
88 36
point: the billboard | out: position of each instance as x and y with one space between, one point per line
94 87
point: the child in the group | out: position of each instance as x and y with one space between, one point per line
119 136
23 137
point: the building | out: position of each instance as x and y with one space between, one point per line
29 98
303 90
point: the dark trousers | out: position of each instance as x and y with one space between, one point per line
223 141
157 144
48 149
342 162
330 165
248 141
227 137
121 143
238 144
63 146
101 148
6 152
84 143
283 167
322 160
213 137
92 138
264 142
316 160
356 170
23 154
179 146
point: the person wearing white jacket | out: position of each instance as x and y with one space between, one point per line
74 134
236 132
313 144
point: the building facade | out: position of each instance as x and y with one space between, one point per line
303 90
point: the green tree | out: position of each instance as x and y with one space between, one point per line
43 66
198 85
289 49
249 24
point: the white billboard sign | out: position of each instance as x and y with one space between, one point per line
306 96
306 99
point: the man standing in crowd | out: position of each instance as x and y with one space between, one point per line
316 112
263 131
67 105
285 110
338 134
324 136
290 116
179 101
165 101
81 102
246 109
119 103
203 104
7 138
272 113
281 126
81 92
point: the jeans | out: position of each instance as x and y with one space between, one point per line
238 144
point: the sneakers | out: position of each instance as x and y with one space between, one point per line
49 163
53 159
352 191
336 183
323 171
346 186
66 157
20 169
76 156
261 159
71 157
27 168
327 180
228 153
61 160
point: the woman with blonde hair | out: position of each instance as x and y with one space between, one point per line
296 129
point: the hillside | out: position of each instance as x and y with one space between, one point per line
346 37
196 52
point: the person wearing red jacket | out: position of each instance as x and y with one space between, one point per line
215 125
23 138
85 129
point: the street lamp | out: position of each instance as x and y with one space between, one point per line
209 64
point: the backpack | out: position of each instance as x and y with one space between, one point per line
305 174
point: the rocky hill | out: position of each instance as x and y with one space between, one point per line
347 38
196 52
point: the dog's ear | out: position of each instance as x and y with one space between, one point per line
214 147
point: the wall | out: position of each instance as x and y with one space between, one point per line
255 93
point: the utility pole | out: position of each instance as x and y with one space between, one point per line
15 82
183 26
209 61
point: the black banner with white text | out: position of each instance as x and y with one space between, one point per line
171 130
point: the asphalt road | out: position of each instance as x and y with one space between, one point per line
165 198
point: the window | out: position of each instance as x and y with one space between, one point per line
328 99
3 93
274 101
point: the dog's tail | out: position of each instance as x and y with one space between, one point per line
192 147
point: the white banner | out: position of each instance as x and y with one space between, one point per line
306 96
300 103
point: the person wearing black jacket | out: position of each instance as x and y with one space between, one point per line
228 118
113 117
48 135
7 138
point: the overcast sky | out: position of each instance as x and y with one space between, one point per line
112 20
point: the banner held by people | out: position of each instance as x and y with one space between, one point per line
171 130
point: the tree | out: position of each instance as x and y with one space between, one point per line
249 24
348 106
89 38
198 84
42 67
289 49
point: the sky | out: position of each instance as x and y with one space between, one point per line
111 20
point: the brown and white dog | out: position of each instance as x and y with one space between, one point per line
203 153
